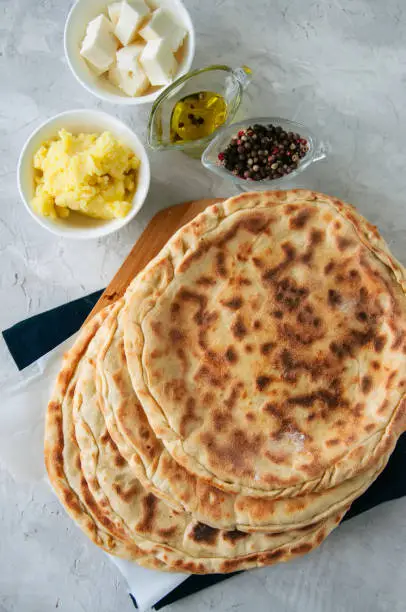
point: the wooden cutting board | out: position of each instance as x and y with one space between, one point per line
153 238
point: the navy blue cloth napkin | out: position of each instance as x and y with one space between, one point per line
30 339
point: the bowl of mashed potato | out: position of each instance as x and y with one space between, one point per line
83 174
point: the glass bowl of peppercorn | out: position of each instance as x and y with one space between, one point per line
262 153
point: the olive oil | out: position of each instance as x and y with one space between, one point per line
197 115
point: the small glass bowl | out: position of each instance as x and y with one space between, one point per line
228 82
317 151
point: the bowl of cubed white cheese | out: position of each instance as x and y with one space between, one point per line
127 52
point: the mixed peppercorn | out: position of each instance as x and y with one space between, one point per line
263 152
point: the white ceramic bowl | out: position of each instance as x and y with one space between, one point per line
77 121
84 11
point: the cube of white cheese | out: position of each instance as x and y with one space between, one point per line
114 10
99 45
131 17
163 25
131 83
128 57
158 62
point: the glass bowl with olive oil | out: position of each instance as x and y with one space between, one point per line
188 113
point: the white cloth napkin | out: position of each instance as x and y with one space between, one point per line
23 403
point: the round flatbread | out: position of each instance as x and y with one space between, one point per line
160 474
266 344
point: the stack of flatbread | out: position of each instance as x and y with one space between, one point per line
249 386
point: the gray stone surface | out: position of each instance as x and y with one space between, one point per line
337 66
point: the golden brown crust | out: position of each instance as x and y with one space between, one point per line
277 308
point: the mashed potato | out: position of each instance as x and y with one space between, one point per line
90 173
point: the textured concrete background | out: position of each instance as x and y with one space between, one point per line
338 67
